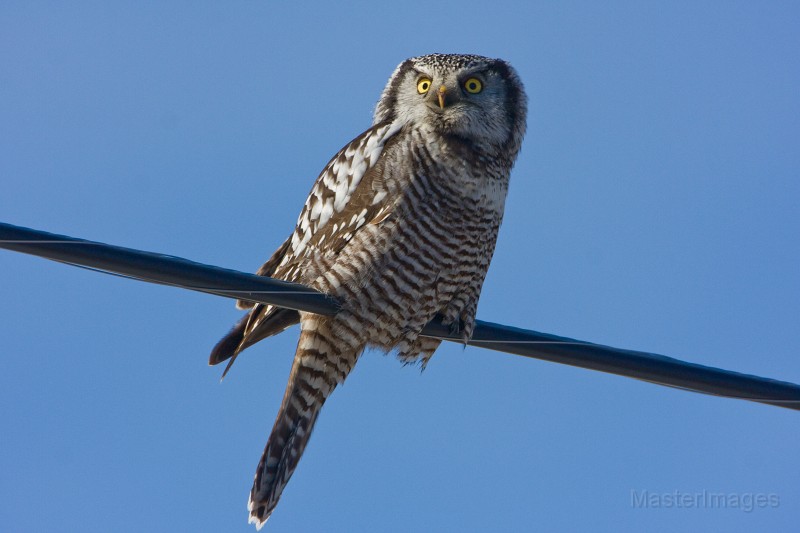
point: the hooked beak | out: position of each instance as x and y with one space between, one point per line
440 94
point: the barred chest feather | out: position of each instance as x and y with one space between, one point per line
475 177
430 252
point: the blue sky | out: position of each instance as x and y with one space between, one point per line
654 206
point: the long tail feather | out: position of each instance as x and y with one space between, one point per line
319 365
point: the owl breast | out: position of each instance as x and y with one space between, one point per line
429 255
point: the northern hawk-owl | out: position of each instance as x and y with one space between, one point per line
400 227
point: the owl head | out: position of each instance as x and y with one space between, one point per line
472 98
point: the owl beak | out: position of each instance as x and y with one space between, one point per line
440 94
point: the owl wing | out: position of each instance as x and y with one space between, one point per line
267 269
349 193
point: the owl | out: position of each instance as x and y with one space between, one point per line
400 228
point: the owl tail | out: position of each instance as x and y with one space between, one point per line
319 365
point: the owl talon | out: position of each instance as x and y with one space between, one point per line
456 327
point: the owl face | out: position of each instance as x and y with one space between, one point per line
473 98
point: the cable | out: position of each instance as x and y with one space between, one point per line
178 272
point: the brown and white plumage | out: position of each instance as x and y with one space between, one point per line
400 226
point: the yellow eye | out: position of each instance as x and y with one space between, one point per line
473 85
423 85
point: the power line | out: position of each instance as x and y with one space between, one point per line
179 272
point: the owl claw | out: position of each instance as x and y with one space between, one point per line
455 327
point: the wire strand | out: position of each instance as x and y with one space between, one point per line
178 272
